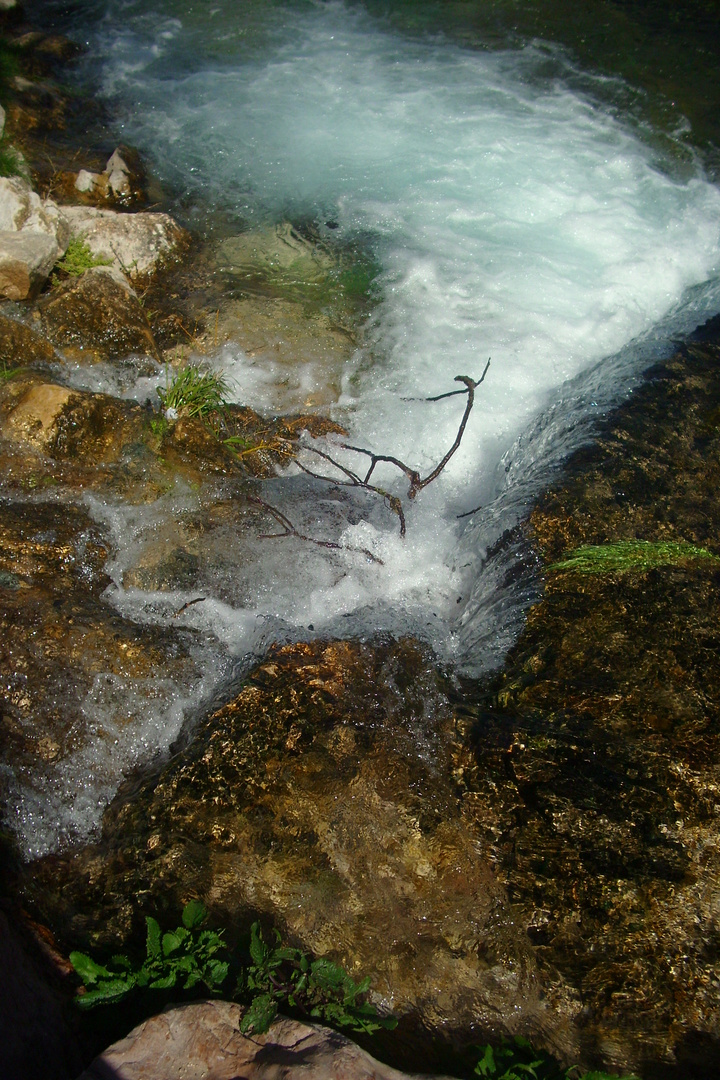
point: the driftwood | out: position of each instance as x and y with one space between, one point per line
350 478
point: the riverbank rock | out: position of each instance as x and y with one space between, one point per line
320 798
202 1041
595 780
34 233
97 316
137 244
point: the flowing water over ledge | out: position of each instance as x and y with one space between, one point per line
510 204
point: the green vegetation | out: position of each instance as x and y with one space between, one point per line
7 373
194 391
625 555
271 976
12 162
517 1060
78 258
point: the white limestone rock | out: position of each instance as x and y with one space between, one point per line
136 243
26 259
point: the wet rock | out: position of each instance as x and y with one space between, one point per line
137 244
121 182
97 316
299 358
77 676
199 1041
20 345
595 781
320 798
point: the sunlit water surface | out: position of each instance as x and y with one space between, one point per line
514 214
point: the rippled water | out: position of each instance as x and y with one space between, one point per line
519 206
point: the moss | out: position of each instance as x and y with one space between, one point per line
78 258
624 555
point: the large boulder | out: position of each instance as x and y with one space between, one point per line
198 1042
137 244
97 316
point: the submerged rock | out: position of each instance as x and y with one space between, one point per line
201 1041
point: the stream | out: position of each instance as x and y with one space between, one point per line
509 195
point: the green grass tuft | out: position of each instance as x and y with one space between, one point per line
626 555
194 391
78 258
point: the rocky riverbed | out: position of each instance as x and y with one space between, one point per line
535 854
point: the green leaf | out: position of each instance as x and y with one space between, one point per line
486 1064
121 962
106 993
260 1015
258 949
153 937
218 970
87 969
165 982
194 914
171 942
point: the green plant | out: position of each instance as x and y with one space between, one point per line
275 975
78 258
194 391
316 988
7 373
12 162
625 555
516 1060
186 955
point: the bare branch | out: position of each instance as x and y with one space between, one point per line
290 530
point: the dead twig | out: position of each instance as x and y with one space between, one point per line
290 530
417 483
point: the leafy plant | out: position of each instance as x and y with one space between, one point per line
78 258
516 1060
194 391
625 555
185 956
319 989
275 975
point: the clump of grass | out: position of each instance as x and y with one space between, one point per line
626 555
7 373
194 391
78 258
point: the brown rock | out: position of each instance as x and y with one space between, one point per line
97 316
203 1042
20 345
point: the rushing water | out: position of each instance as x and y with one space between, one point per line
518 207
